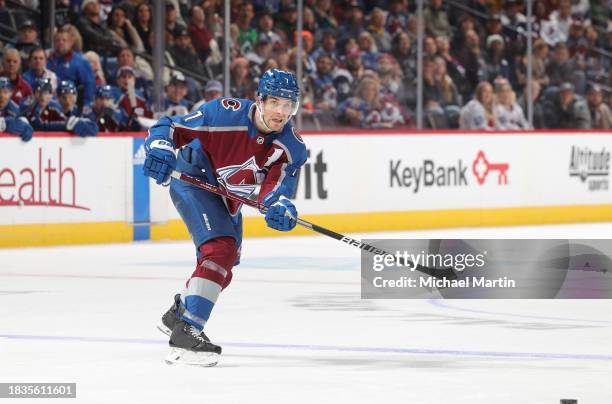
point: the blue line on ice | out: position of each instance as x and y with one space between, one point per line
418 351
440 303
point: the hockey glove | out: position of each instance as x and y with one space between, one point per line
17 126
160 161
82 126
281 215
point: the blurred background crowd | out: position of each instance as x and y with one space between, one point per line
359 61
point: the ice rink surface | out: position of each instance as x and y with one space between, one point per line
293 329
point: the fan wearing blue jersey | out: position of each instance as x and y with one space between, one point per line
238 145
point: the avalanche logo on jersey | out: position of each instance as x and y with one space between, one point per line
231 103
241 179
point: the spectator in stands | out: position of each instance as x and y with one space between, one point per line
366 110
143 24
247 34
122 30
540 55
566 111
212 90
11 68
513 20
132 104
27 40
472 60
142 68
8 107
378 30
69 65
496 63
94 61
479 113
288 20
561 19
75 35
324 15
96 36
353 23
174 100
173 27
397 17
436 20
261 52
322 83
369 51
104 112
354 64
601 116
38 68
42 111
450 100
327 45
242 83
309 20
199 32
563 69
390 74
538 104
453 67
405 56
185 55
509 114
430 49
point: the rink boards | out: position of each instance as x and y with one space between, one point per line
59 189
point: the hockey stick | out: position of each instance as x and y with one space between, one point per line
322 230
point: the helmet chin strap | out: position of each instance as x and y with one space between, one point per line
261 116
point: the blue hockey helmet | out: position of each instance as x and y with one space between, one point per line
66 87
282 84
43 84
5 82
104 91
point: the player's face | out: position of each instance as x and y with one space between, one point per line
67 100
277 111
43 98
5 96
100 103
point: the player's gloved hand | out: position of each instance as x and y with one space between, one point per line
281 215
17 126
82 126
160 161
274 196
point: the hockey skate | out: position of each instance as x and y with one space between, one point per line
190 346
171 317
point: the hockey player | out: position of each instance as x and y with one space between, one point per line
236 144
46 114
42 110
7 105
67 97
104 112
10 121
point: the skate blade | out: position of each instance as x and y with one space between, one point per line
161 327
181 356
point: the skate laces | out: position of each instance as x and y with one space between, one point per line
197 334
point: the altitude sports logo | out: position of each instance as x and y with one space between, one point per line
433 174
592 167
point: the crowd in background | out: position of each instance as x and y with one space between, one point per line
359 62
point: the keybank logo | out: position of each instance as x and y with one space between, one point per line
592 167
431 173
49 182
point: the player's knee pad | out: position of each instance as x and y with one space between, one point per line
217 257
